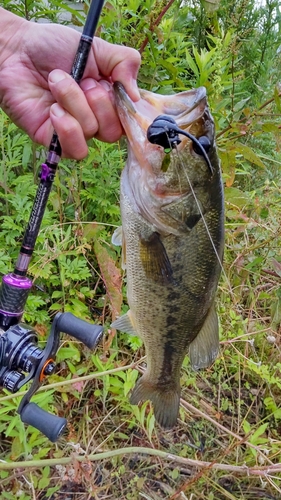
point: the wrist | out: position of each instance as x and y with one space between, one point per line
10 24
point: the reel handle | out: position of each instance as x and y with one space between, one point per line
81 330
50 425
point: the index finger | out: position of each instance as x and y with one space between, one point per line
118 63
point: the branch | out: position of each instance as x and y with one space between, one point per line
239 469
84 378
241 440
156 23
253 115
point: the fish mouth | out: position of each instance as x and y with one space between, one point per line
189 109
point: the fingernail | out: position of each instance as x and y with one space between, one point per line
57 75
88 83
105 84
57 110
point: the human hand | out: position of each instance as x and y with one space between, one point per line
39 97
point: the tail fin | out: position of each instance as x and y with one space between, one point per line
165 400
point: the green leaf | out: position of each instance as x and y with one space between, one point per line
70 352
276 314
150 424
249 154
17 448
27 149
236 197
228 159
191 63
246 427
277 98
43 482
240 104
254 439
55 307
271 127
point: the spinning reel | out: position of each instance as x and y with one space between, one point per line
21 360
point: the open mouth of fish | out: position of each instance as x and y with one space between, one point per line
189 109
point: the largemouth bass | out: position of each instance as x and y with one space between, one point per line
172 239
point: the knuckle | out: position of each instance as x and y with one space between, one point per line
77 152
90 128
69 129
136 57
96 94
67 90
131 58
89 134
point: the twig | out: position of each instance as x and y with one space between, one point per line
271 273
77 379
239 469
243 440
253 115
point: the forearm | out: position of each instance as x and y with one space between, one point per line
9 26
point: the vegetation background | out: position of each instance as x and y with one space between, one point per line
227 444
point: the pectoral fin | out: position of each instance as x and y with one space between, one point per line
125 323
204 349
155 260
118 240
185 212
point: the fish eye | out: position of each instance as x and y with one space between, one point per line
204 142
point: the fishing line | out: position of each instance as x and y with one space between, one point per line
165 132
251 342
203 219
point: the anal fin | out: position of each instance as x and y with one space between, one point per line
204 349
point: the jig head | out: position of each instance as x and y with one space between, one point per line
165 132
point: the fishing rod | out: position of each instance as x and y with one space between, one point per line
21 360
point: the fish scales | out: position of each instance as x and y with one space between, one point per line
172 268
